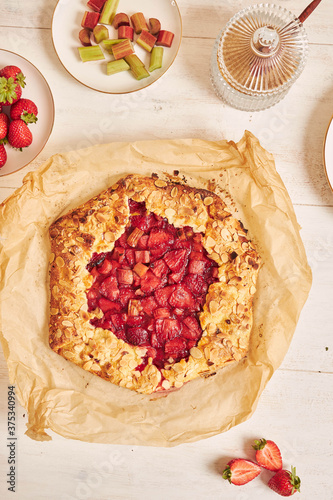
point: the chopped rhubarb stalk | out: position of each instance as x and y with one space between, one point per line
149 292
134 237
121 19
126 32
139 22
90 20
140 72
96 5
142 256
125 276
154 26
122 49
113 67
93 53
140 269
108 44
146 40
84 37
134 61
134 308
156 58
165 38
109 11
100 33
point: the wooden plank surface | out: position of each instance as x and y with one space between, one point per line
296 407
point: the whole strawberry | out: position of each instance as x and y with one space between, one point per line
268 454
285 483
10 91
19 135
3 155
4 122
240 471
24 109
15 73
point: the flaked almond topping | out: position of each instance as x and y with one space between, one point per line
54 311
101 217
210 242
60 262
159 183
166 384
170 212
196 353
225 233
178 385
80 239
201 229
52 257
115 196
208 201
67 323
253 290
178 368
225 258
234 280
114 187
174 192
108 236
213 306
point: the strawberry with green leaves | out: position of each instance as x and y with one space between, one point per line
24 109
10 91
3 155
4 123
19 135
240 471
285 483
268 454
15 73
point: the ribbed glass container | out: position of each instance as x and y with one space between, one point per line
258 56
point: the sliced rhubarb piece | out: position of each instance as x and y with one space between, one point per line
134 307
107 305
143 242
159 268
140 269
137 336
140 72
161 334
106 267
142 256
177 276
134 61
134 237
176 348
126 32
125 276
154 25
196 267
165 38
93 53
109 288
156 58
172 328
84 37
139 22
191 328
100 33
114 67
96 5
196 284
108 44
125 294
130 256
119 320
109 11
120 19
149 305
143 222
119 254
90 20
182 298
146 40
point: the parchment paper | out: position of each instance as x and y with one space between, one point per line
60 396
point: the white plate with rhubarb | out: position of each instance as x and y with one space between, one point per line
26 112
116 46
328 153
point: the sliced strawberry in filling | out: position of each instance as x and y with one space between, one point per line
151 286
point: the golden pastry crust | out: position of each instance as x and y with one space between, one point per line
226 318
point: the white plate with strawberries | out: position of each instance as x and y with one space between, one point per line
89 65
26 112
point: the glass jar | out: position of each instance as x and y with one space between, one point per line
258 56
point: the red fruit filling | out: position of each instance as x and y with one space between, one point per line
152 285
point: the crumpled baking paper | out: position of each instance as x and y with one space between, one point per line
62 397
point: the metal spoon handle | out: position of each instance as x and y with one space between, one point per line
308 10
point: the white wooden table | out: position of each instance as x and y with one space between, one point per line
296 409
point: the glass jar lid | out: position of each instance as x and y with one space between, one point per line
262 50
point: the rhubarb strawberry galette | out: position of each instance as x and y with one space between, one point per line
151 284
